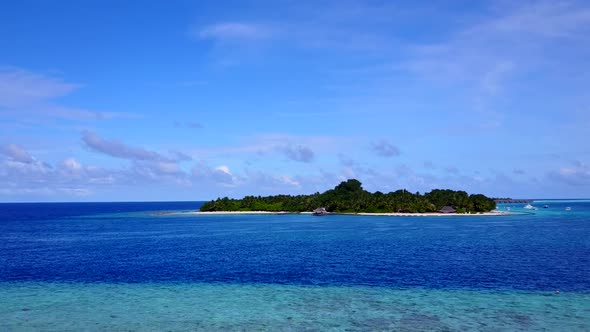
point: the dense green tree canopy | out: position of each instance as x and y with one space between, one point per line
349 196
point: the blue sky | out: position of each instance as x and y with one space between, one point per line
191 100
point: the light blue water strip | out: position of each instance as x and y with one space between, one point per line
220 307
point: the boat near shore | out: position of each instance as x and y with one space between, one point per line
320 212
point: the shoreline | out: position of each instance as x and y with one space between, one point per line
385 214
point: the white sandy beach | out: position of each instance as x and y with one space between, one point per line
393 214
235 212
433 214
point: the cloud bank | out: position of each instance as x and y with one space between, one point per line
118 149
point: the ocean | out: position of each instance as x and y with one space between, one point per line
129 267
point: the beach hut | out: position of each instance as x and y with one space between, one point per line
447 209
320 212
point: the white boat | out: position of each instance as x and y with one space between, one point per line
545 206
568 208
530 207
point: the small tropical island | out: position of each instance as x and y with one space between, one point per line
349 197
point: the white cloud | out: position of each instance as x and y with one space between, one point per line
16 153
265 183
290 181
298 153
167 167
19 87
491 60
33 169
511 41
549 19
72 178
79 192
24 93
119 149
26 178
223 169
385 148
71 164
577 174
344 26
219 175
295 147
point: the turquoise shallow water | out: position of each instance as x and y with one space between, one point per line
223 307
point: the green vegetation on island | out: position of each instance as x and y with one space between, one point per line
349 196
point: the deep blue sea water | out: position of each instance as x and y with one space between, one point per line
127 266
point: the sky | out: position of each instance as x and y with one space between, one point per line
194 100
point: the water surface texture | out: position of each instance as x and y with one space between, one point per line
124 266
